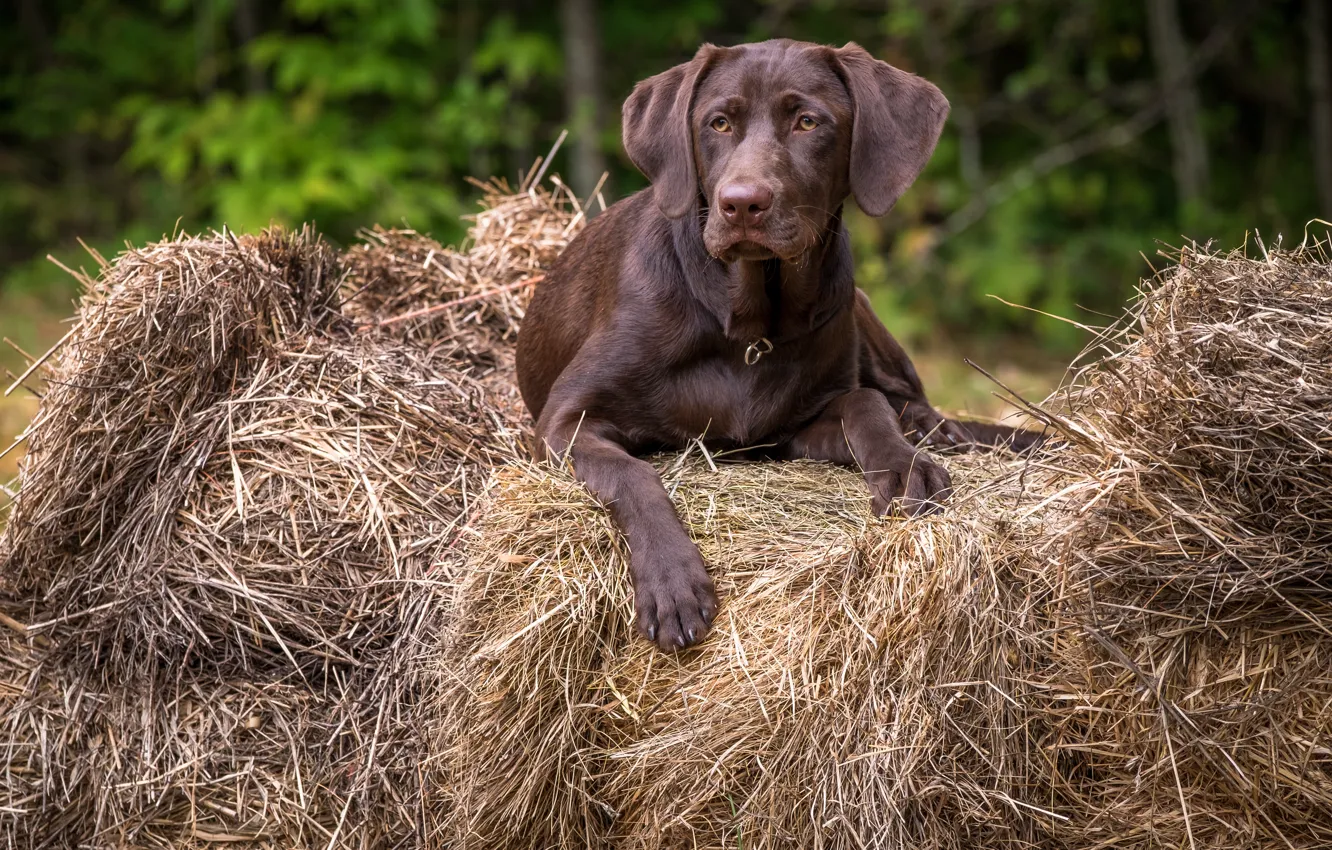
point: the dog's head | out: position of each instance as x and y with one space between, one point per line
771 138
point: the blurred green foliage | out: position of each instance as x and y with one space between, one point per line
126 119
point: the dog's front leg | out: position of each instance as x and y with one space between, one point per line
674 600
861 429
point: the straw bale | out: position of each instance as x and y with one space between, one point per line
162 336
228 475
230 499
188 759
855 691
463 305
1193 701
1205 423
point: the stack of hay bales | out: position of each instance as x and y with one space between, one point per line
237 528
278 576
1123 643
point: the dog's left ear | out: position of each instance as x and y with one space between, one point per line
897 119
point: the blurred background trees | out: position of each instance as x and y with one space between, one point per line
1081 134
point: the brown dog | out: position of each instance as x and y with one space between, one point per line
721 302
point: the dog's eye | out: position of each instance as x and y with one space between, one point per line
806 123
721 125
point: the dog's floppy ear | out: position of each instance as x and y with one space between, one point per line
897 119
658 136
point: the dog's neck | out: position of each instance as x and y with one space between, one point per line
777 300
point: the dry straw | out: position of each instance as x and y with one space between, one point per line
1210 415
463 307
1194 703
857 690
225 498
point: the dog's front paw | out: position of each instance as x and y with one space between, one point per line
674 600
911 482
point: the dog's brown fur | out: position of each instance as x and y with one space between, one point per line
644 333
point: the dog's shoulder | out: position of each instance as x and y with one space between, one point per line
629 238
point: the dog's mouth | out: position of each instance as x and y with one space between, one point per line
747 249
753 247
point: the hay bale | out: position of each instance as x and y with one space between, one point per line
1206 422
232 500
1192 701
856 690
463 305
161 336
189 759
218 472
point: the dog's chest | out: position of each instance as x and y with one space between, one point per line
732 403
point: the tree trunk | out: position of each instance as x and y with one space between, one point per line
205 46
34 30
247 30
72 146
582 90
467 31
1171 54
935 33
1320 91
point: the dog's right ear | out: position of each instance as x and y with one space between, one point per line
658 136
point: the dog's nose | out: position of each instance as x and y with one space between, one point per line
744 204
